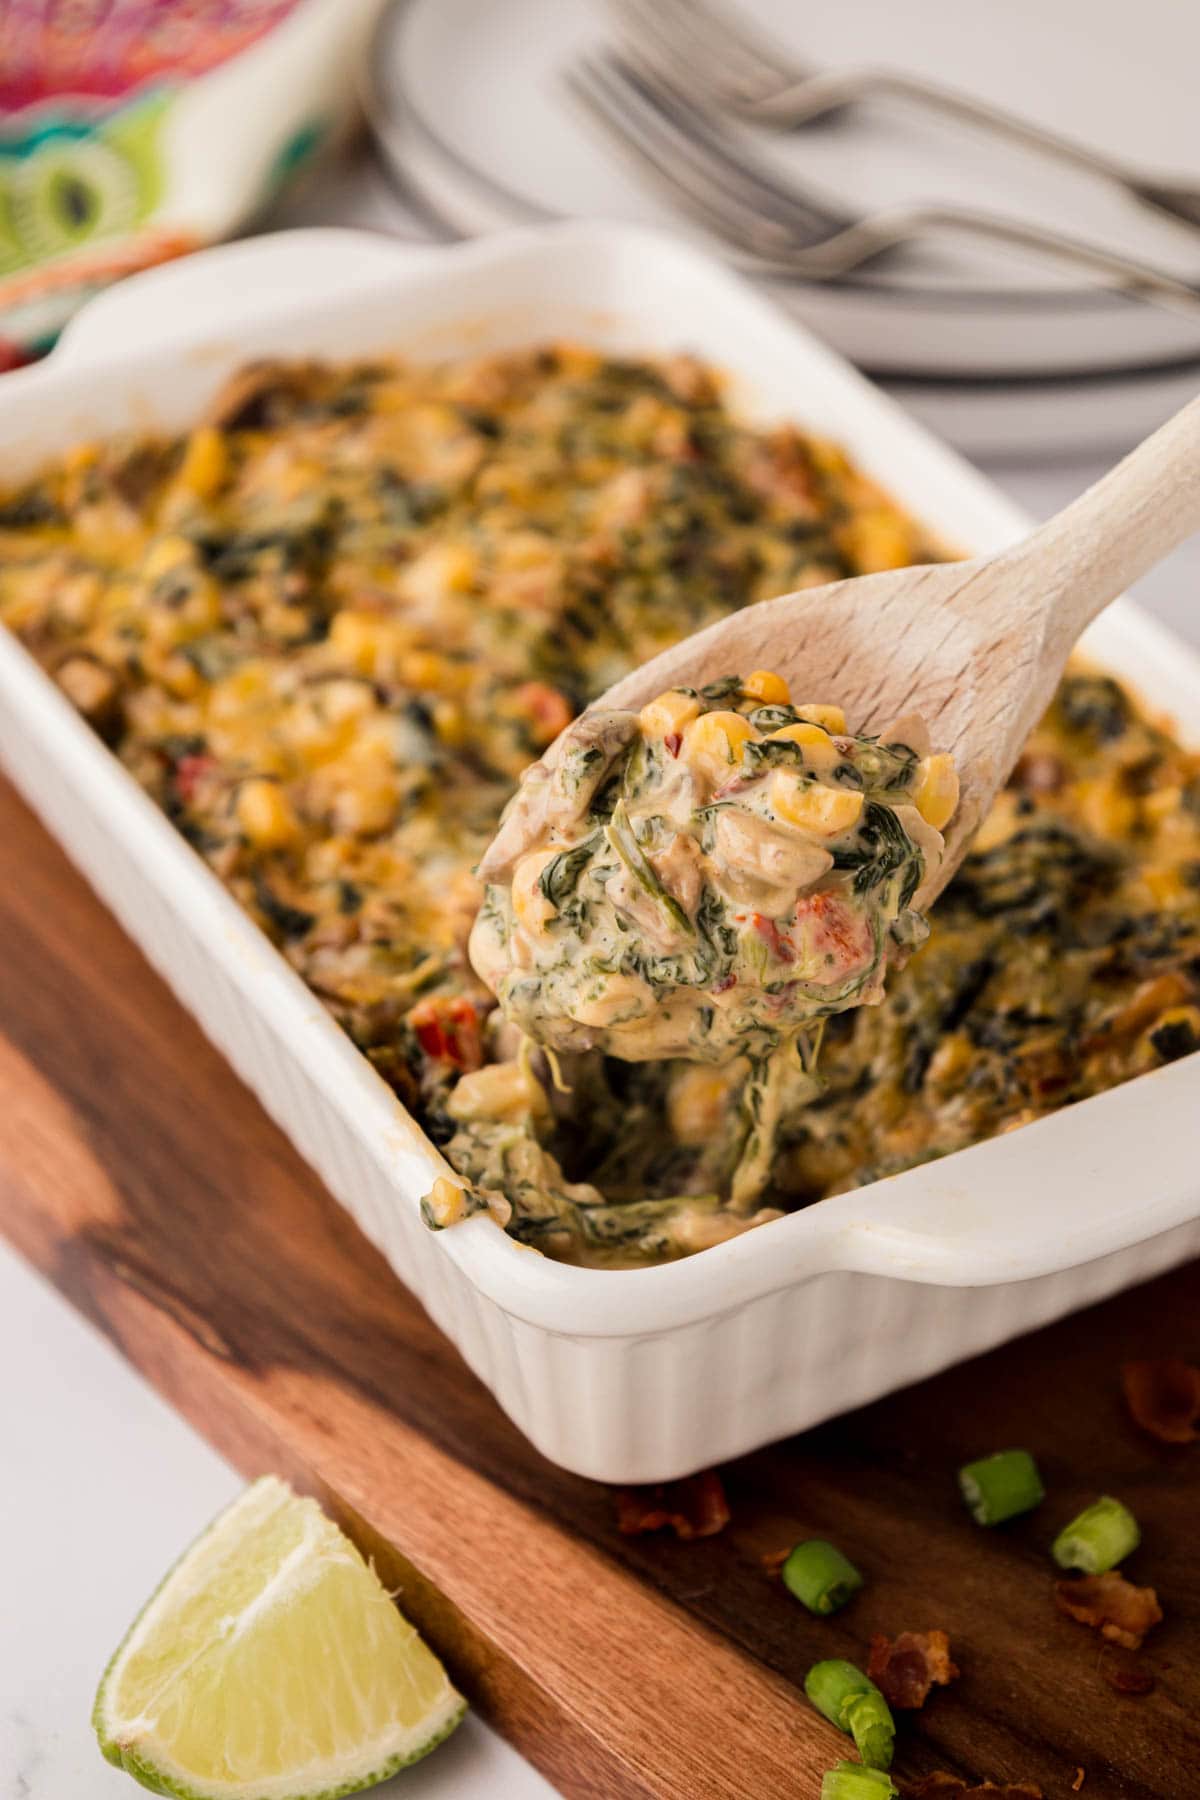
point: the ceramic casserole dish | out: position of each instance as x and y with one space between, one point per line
632 1375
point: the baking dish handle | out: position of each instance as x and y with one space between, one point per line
1036 1201
212 289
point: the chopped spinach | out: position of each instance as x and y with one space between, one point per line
289 921
884 847
561 876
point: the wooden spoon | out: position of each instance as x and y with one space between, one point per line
975 648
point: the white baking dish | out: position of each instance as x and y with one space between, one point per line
648 1374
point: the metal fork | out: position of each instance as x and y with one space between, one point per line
789 232
733 68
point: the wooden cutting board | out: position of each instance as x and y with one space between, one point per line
146 1182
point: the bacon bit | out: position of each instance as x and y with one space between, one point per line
673 743
953 1787
695 1507
780 468
773 1561
689 380
1080 1778
548 711
770 934
725 983
1124 1675
1110 1604
11 355
1163 1397
448 1030
190 771
1039 772
904 1671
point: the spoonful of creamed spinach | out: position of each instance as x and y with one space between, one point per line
711 878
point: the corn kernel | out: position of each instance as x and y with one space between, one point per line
342 701
712 744
205 462
577 360
506 1090
769 689
877 540
950 1061
450 723
823 810
530 906
240 692
1162 804
505 481
1105 807
696 1103
672 711
832 718
368 642
1164 886
180 676
525 550
88 685
365 804
431 673
265 814
808 735
821 754
80 457
827 456
445 1203
441 570
615 1000
165 554
936 794
198 612
354 638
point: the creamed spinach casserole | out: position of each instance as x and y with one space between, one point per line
327 630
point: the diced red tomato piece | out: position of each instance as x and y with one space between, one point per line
773 938
190 770
548 711
839 928
448 1030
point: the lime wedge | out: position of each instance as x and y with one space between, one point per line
271 1665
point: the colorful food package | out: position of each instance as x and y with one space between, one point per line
132 131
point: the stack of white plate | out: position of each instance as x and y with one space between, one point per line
997 349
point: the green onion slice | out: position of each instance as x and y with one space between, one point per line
1102 1536
999 1487
850 1781
620 834
820 1576
852 1702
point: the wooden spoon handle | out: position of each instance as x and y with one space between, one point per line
1085 556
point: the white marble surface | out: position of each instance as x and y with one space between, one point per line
101 1485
